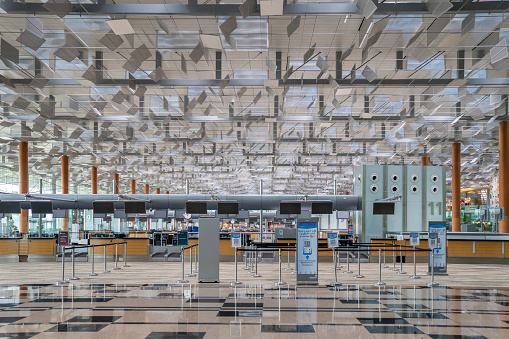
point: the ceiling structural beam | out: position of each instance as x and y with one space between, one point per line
289 82
194 9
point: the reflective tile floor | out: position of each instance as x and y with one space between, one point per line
251 311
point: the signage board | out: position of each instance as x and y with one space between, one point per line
307 251
236 240
332 240
182 238
440 246
63 238
414 239
350 229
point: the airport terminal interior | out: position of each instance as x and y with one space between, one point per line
254 169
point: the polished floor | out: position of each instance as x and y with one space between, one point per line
250 311
144 301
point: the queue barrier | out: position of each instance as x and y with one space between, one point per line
357 247
191 273
73 261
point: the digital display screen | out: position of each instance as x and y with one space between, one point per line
102 207
383 208
41 207
290 208
10 207
194 207
321 207
227 208
132 207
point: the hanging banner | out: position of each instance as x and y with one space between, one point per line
440 250
307 251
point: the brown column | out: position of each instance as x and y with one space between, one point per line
158 191
23 184
425 161
133 186
117 179
167 192
65 186
456 186
146 189
94 180
503 173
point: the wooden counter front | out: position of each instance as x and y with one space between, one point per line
8 246
135 246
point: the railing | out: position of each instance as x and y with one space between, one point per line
73 249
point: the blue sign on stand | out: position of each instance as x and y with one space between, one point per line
440 263
307 251
182 238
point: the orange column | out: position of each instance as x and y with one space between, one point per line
23 184
456 186
117 179
167 192
425 161
146 189
158 191
133 186
65 186
94 180
503 173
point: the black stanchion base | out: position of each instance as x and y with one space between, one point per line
93 274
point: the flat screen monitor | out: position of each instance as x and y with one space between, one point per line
382 208
102 207
41 207
10 207
253 219
324 207
59 213
160 214
132 207
342 214
194 207
227 208
120 214
289 208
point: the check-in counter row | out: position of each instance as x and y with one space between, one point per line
460 248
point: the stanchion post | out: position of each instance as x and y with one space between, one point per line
379 282
280 282
183 280
105 269
384 265
191 274
73 276
348 259
63 281
338 261
334 258
195 259
394 269
236 281
401 260
432 283
256 275
288 258
415 276
116 257
251 265
125 255
359 275
92 274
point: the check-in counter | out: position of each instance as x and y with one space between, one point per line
135 246
461 247
9 246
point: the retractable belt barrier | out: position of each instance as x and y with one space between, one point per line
73 251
